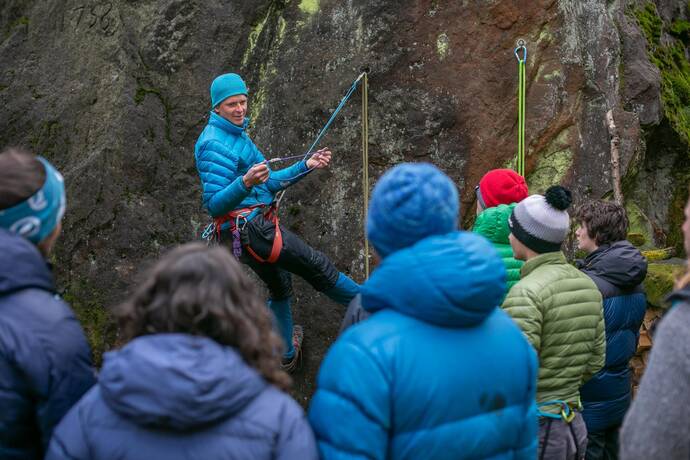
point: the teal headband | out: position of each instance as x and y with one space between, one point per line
37 216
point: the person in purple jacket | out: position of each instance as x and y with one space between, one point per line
200 376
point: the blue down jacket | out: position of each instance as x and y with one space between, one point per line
618 271
438 371
45 362
178 396
224 153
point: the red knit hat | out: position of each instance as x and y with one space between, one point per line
502 186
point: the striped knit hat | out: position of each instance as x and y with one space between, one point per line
541 222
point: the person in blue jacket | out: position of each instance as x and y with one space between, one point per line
238 191
438 371
45 361
199 376
618 269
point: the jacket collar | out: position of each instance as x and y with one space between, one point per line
230 128
680 295
548 258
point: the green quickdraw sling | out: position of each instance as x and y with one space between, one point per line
520 163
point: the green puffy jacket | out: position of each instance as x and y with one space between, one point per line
492 224
560 310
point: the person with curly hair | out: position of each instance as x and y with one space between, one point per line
199 376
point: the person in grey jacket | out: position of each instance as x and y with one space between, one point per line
658 422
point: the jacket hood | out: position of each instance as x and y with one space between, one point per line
620 263
451 280
177 381
492 223
22 266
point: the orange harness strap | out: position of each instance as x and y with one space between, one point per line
271 214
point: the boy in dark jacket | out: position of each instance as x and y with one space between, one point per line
45 362
618 269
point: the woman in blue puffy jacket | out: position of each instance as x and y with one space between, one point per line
438 371
200 377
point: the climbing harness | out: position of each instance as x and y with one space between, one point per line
521 47
239 218
567 413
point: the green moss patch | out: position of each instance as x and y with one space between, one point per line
660 281
671 61
94 318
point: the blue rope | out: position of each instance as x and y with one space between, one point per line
310 150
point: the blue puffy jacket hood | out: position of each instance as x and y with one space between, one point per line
22 266
177 381
451 280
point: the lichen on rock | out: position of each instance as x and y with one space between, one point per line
660 281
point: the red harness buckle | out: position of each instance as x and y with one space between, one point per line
271 214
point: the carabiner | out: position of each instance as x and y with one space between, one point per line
524 50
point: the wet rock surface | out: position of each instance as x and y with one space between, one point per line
115 94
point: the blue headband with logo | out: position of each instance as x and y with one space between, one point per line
36 217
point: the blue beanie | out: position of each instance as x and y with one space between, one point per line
411 202
225 86
36 217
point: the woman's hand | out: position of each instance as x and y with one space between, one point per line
257 174
320 159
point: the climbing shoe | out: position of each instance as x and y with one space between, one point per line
291 364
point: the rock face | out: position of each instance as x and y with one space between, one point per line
116 92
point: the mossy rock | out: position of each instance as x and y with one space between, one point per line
674 67
660 281
659 254
638 224
637 239
97 322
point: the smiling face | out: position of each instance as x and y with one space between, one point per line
584 241
233 109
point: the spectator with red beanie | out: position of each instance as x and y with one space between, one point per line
497 194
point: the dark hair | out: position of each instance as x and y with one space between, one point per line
203 291
21 176
606 222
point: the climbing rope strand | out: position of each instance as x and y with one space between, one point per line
342 103
365 166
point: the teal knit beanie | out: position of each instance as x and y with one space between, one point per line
410 202
225 86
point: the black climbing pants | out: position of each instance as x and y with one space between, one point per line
296 257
